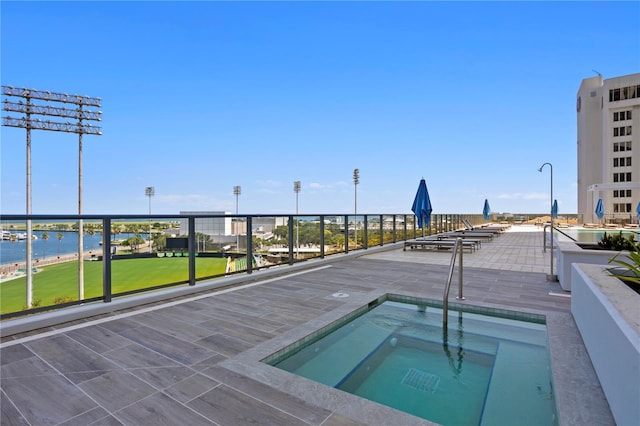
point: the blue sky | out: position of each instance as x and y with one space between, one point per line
200 96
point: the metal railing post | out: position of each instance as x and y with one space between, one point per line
460 297
191 247
445 298
394 230
346 234
249 234
106 260
291 243
321 237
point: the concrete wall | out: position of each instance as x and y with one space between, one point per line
606 313
569 253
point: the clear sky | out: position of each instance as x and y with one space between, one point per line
200 96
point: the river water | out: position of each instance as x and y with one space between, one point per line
16 251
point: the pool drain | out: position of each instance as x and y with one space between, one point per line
421 380
340 294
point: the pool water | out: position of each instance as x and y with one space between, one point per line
484 370
592 235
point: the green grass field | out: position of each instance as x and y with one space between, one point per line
60 281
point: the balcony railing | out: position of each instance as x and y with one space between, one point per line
129 254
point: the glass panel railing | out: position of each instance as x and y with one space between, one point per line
334 234
389 225
132 254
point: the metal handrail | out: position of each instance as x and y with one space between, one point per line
445 299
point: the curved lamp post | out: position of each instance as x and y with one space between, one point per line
551 276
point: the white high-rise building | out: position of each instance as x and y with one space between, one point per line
609 147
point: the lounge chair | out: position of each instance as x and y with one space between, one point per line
484 228
445 236
471 234
438 244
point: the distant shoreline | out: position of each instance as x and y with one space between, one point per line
9 271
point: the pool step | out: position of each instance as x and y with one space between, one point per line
523 401
330 363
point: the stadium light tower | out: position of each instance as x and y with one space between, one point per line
150 191
60 106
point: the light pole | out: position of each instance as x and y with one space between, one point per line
236 191
296 189
59 106
551 276
150 191
356 181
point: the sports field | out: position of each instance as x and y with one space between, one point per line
59 282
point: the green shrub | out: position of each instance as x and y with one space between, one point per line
630 273
63 299
617 242
36 303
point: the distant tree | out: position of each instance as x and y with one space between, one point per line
160 241
45 237
115 230
133 242
60 237
281 232
91 231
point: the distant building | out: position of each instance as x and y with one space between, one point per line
207 225
608 119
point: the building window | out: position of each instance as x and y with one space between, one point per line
621 146
622 193
622 115
622 162
620 94
622 131
622 177
622 207
614 95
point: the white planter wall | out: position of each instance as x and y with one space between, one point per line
607 313
569 253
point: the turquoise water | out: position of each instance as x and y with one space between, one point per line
483 371
592 235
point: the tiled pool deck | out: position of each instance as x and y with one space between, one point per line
195 360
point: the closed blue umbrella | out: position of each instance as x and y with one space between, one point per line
554 209
600 209
486 212
422 205
638 212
